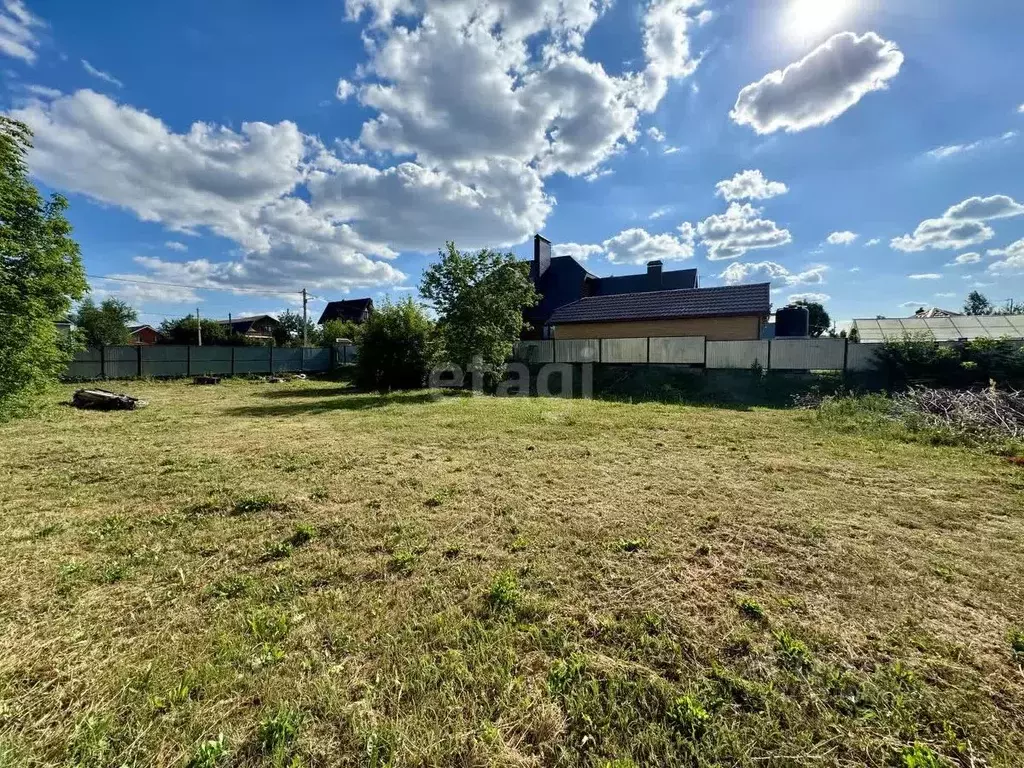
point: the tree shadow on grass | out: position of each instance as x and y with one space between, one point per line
327 403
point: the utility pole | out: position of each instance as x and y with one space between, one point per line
199 327
304 300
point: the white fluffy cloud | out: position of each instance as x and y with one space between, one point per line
873 242
821 86
965 258
174 245
750 185
1011 258
731 234
738 272
925 276
656 134
814 298
961 226
577 251
344 90
842 238
139 294
466 80
18 31
99 74
637 246
953 150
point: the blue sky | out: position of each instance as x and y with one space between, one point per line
235 152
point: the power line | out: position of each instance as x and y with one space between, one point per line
193 287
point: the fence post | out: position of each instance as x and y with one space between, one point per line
846 355
648 350
103 361
232 362
188 360
302 361
271 348
768 367
138 349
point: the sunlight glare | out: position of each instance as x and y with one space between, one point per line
808 20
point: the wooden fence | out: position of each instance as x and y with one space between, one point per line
774 355
172 360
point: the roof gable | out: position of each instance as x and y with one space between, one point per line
347 309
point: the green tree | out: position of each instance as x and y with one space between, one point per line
338 329
289 332
40 275
393 347
479 299
104 324
185 330
820 321
977 304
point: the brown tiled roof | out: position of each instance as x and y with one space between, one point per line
725 301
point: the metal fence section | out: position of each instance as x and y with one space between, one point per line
534 352
623 350
736 354
807 355
166 361
578 351
679 350
862 357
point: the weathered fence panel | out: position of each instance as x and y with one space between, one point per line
862 357
120 362
86 364
287 359
623 350
160 361
577 351
736 354
316 359
808 354
210 361
678 350
252 360
534 352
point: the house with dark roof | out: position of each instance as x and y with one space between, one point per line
577 304
561 280
727 313
255 327
351 310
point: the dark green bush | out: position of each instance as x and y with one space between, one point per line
394 348
917 359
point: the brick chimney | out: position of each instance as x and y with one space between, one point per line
541 255
654 275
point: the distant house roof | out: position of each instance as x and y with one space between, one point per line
350 310
245 324
936 312
642 283
726 301
133 329
941 328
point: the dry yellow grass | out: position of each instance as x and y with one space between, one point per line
330 578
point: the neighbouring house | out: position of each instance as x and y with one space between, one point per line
561 281
936 312
350 310
64 326
144 335
259 327
728 313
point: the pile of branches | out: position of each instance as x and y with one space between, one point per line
978 413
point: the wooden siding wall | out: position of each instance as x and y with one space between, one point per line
713 328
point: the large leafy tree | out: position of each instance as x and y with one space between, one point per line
394 347
977 304
479 299
104 324
289 332
40 274
820 320
185 330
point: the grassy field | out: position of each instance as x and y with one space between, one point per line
255 574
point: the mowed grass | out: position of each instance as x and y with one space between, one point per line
256 574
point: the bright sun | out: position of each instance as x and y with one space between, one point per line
809 19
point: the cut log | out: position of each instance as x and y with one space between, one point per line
102 399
